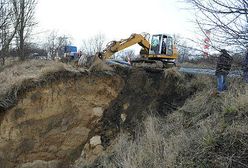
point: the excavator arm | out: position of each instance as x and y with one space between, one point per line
115 46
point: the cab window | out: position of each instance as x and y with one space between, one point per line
169 46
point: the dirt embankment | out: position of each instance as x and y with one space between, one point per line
70 115
50 119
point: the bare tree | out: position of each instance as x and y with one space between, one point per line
24 12
51 45
183 48
93 45
183 52
98 42
8 27
226 19
55 43
125 55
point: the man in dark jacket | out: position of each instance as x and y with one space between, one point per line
245 67
223 67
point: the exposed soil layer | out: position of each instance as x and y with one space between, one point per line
51 121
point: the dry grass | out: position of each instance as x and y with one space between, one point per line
32 69
9 61
157 145
221 128
22 74
144 150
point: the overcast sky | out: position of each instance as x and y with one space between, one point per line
116 19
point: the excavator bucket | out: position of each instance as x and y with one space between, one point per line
98 64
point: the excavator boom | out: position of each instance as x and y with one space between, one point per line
115 46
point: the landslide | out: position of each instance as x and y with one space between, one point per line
51 113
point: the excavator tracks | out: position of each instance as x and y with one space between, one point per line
152 64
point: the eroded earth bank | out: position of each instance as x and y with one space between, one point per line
66 116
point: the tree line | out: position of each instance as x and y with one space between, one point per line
226 19
17 20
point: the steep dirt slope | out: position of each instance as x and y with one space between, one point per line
51 119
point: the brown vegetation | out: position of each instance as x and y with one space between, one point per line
18 76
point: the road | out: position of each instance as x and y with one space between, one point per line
234 73
206 71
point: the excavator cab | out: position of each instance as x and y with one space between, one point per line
161 45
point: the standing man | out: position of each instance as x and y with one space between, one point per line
163 46
223 67
245 67
82 61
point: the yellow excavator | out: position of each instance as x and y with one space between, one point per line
158 49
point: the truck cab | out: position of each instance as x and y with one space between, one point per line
70 51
